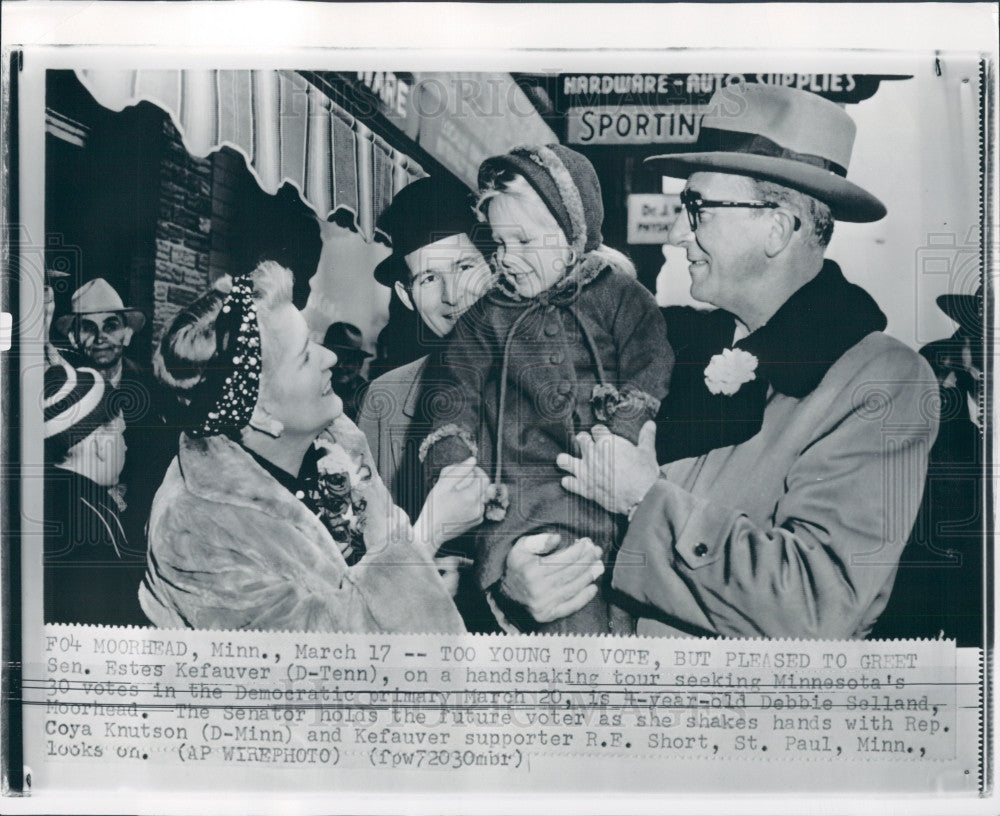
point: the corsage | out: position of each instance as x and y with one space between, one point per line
728 371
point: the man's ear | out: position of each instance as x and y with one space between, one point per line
127 336
781 232
95 442
403 294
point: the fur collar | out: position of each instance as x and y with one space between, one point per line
217 469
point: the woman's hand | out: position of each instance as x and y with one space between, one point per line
551 585
611 470
385 522
455 504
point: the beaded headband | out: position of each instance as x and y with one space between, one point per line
233 385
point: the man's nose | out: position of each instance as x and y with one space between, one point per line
449 289
680 231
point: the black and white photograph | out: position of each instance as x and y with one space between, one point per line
646 394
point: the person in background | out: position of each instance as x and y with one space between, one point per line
98 329
939 586
790 517
345 340
239 536
92 575
437 270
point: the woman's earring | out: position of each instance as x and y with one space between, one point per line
265 423
572 259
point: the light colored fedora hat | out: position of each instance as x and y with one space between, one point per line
98 295
791 137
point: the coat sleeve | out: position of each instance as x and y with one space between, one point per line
645 360
203 574
453 396
850 501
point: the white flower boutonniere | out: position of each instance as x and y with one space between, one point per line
728 371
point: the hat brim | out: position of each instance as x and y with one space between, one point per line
846 200
344 350
390 270
964 310
134 319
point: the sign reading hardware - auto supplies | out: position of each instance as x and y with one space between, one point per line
639 109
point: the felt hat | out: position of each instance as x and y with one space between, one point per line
966 310
566 182
792 137
98 295
423 212
75 403
345 338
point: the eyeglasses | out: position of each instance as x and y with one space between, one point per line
89 330
694 204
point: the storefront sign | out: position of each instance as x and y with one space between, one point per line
633 124
388 93
650 216
459 118
588 90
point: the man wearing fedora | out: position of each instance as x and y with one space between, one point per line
346 341
437 269
789 493
100 327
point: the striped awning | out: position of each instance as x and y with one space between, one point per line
287 130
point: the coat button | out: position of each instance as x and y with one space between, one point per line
555 358
565 389
701 550
552 329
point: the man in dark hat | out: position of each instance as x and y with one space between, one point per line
938 590
796 447
437 270
346 341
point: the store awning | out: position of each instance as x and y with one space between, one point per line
287 130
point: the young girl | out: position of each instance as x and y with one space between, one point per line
568 339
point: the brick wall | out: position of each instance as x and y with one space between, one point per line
183 231
229 180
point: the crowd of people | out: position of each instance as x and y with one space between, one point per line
563 456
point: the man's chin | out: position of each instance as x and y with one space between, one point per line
102 364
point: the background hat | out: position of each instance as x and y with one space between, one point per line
425 211
785 135
345 338
565 180
966 310
98 295
75 404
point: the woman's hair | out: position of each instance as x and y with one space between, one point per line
192 345
507 182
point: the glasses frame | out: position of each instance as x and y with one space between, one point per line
694 204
